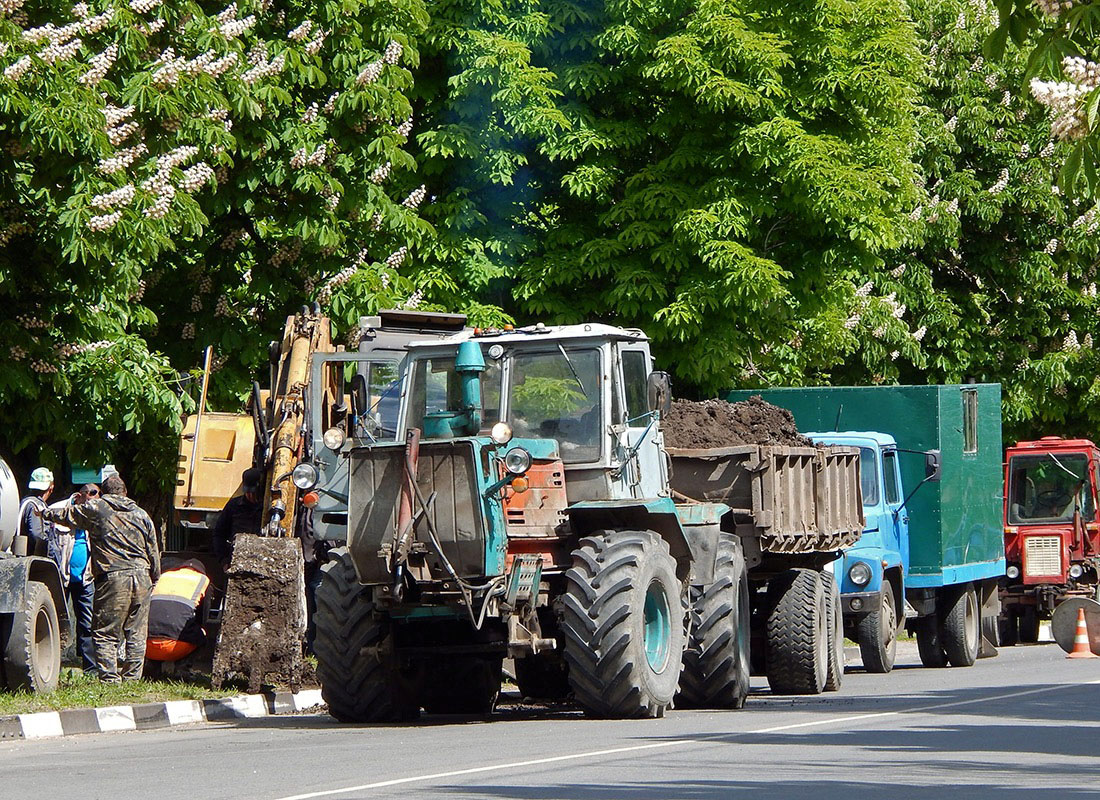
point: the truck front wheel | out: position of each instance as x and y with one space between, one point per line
623 624
962 627
797 633
32 642
878 633
716 662
358 670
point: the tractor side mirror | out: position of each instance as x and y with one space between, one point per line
932 465
360 396
659 392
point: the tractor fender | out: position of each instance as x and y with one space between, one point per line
694 545
17 571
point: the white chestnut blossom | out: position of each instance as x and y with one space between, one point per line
381 173
99 66
405 128
898 271
122 196
14 72
188 331
415 198
865 289
393 53
1062 100
301 33
330 104
194 178
413 301
118 134
99 22
104 221
313 46
951 124
54 53
113 115
122 159
17 353
1051 248
395 259
80 10
144 6
1052 8
1070 343
370 73
1001 184
264 69
919 333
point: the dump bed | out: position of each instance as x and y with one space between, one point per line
955 524
793 500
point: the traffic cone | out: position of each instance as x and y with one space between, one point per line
1081 648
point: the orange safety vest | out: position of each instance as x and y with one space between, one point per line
184 584
178 587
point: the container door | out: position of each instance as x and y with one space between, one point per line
640 448
899 529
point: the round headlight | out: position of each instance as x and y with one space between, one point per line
501 433
1013 571
333 438
304 476
517 461
1076 571
859 574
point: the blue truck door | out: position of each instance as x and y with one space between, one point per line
892 494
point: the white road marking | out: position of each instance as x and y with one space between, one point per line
534 762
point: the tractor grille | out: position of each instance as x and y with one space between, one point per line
1042 555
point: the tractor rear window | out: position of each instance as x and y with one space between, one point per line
556 395
1049 488
435 386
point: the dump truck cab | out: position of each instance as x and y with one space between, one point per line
881 556
1052 535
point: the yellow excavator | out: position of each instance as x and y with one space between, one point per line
262 617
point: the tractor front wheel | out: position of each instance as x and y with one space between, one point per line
623 624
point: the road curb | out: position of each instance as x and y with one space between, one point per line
150 716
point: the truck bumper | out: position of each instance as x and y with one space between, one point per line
857 604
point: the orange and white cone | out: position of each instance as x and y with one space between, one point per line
1081 648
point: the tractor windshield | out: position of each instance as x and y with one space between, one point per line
436 386
1049 488
557 394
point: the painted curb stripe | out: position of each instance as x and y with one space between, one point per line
42 725
184 712
116 718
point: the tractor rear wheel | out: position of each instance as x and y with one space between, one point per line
32 642
623 624
835 621
797 633
716 661
358 670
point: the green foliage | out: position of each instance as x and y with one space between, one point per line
547 398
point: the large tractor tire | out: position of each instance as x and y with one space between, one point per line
797 633
716 662
32 642
1029 625
930 641
359 673
877 633
834 674
543 676
464 685
623 624
962 629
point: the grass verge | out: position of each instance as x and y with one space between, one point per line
77 690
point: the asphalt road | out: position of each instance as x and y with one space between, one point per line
1023 725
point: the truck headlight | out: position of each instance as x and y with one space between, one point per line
1012 572
333 439
304 476
517 461
501 433
859 574
1076 571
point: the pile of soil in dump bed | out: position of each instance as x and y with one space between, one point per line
717 423
263 621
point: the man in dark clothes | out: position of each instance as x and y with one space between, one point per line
125 565
41 532
242 514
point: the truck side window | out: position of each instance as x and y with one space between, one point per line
970 420
634 383
890 477
868 477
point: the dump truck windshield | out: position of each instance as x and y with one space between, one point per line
868 477
436 386
556 395
1048 488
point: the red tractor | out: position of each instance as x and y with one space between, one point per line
1052 535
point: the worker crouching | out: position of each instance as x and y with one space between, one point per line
175 624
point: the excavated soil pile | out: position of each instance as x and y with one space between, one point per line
716 423
264 618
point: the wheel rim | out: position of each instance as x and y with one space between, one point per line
971 622
889 621
43 646
656 627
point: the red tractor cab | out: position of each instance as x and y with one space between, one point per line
1052 535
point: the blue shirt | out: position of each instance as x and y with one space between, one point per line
79 559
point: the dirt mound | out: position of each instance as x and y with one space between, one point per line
264 621
716 423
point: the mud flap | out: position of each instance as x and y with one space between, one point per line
264 616
989 608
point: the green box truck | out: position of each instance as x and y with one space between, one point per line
932 549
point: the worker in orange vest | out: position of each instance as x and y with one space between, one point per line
175 627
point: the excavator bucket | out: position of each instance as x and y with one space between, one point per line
264 616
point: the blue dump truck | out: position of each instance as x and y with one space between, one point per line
932 549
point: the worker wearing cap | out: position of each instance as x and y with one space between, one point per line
43 533
242 514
